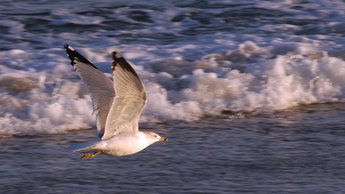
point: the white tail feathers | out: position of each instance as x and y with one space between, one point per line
84 147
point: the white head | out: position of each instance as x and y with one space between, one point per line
154 137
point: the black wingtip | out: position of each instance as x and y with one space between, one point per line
117 56
119 60
74 55
68 47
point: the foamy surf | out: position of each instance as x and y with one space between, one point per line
192 65
250 78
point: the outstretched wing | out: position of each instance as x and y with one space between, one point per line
129 102
100 86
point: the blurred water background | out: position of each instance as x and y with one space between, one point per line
250 93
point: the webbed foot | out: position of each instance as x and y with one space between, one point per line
91 155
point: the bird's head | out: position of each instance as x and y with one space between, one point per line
154 137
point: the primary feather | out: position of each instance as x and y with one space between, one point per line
100 86
129 102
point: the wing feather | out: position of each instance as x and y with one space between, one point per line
100 86
129 102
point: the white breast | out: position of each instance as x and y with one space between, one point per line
125 144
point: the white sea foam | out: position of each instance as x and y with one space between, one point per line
254 69
248 78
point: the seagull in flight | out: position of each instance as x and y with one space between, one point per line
118 105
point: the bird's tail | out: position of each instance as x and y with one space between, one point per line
83 147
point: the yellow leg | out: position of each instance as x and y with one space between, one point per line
91 155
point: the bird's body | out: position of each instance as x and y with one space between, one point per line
118 105
122 144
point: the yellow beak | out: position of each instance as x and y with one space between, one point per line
163 139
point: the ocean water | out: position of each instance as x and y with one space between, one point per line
250 93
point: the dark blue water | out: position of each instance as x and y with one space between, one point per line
294 151
228 83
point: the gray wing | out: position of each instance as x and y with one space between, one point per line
100 86
129 102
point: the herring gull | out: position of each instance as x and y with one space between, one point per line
118 105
